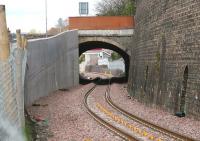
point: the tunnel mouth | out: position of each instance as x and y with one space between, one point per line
92 45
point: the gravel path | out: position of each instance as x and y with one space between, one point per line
68 118
186 126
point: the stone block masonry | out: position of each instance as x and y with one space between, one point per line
165 60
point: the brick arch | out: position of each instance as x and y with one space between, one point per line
105 40
99 42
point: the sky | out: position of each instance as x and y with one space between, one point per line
30 14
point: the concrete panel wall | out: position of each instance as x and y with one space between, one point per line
52 64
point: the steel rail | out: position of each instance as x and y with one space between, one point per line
112 128
176 136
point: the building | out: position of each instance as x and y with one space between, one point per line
96 57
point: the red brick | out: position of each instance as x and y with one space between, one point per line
101 22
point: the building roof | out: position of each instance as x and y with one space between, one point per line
98 50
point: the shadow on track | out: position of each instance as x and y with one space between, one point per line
100 81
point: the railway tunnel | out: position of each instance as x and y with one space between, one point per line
89 45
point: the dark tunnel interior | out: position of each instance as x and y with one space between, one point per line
83 47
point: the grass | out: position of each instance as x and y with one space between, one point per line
28 130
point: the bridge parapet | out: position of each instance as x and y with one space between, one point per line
107 33
101 22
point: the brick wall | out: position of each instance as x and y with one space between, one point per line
101 22
165 60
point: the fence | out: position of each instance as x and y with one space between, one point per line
11 79
11 86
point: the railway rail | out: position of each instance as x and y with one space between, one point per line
121 133
155 127
103 122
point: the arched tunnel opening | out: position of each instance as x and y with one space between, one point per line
92 45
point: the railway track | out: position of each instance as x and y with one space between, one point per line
174 135
121 133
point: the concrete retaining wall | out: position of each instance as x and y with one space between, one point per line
52 64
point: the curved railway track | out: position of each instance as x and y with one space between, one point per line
120 133
141 121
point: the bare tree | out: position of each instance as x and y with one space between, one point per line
116 8
61 24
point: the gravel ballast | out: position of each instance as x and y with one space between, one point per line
68 118
185 126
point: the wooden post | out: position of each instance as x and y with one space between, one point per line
19 38
4 39
24 42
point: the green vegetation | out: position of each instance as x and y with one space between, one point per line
81 58
115 56
116 8
28 130
33 31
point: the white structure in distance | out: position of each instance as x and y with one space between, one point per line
102 58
